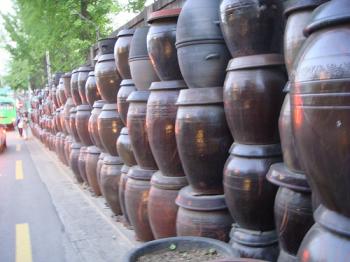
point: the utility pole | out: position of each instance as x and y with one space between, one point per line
48 68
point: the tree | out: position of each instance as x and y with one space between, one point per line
135 5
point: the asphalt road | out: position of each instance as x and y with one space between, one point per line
30 229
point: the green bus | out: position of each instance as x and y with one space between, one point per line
7 111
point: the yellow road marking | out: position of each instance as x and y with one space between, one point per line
18 147
23 245
19 170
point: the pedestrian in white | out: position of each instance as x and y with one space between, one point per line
25 121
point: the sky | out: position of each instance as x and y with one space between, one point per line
6 7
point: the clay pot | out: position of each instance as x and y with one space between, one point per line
72 126
109 178
74 159
67 144
93 154
253 98
161 40
203 138
82 164
252 27
160 121
200 44
249 196
293 209
141 68
93 126
106 45
125 149
99 167
202 215
121 193
56 78
66 114
82 124
91 91
107 78
162 195
74 88
298 14
62 121
121 52
109 126
126 88
138 131
61 93
66 84
82 78
136 201
254 244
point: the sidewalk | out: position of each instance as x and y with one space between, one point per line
91 229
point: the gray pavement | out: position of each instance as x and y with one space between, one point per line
66 223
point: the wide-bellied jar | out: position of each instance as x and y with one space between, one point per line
106 45
202 215
121 52
160 122
99 167
66 113
67 146
121 193
72 126
82 164
61 94
91 91
293 210
82 124
109 180
203 138
253 96
107 78
249 196
62 121
252 27
161 40
82 78
138 131
66 84
125 149
321 118
92 156
126 88
93 126
162 195
201 49
74 88
136 201
74 161
109 126
298 14
142 71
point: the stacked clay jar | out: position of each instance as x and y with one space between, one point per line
109 124
202 136
253 96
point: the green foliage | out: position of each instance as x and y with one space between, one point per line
135 6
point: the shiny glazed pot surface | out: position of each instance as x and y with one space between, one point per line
121 52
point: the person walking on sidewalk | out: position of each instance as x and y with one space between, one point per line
19 125
25 121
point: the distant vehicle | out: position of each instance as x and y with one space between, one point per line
7 111
2 138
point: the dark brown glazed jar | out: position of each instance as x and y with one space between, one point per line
93 126
203 138
253 96
109 178
249 196
93 154
162 195
66 84
72 126
106 45
74 88
141 68
66 113
126 88
125 149
138 130
252 27
67 147
82 124
109 126
202 215
107 78
136 201
82 78
298 14
82 163
121 52
91 91
74 159
62 121
293 210
161 40
160 122
99 167
200 44
122 186
254 244
61 93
